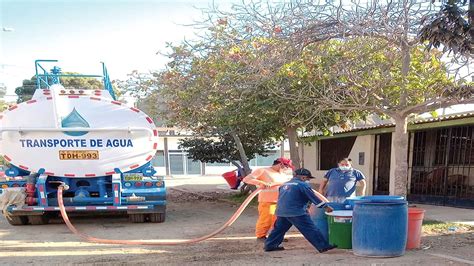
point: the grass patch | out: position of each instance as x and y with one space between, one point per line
239 198
437 227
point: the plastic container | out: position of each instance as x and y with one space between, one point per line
351 200
379 227
340 228
415 222
383 198
231 179
320 219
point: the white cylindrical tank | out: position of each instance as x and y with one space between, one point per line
76 134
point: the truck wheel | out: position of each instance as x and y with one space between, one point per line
136 218
157 217
17 220
38 219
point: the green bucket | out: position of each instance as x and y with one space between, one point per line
340 229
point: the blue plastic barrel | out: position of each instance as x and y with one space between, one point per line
320 219
351 200
382 198
379 227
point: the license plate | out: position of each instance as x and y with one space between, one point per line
133 177
79 155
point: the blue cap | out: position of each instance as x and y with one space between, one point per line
303 172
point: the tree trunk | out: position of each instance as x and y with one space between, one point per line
243 156
399 180
470 13
294 151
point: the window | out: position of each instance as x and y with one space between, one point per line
177 164
461 149
332 150
193 167
419 148
441 145
159 159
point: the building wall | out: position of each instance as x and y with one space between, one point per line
310 154
363 144
166 167
392 167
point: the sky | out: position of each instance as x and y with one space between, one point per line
125 34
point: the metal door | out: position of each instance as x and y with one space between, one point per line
442 168
383 149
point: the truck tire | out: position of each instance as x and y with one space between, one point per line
17 220
136 217
38 219
157 217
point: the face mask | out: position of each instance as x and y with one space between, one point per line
287 171
345 168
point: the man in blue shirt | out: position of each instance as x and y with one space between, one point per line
294 197
340 183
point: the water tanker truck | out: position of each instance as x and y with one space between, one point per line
84 139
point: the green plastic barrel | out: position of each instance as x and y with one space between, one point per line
340 229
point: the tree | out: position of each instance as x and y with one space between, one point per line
205 94
26 91
144 88
400 24
302 24
153 106
271 66
223 149
451 27
303 113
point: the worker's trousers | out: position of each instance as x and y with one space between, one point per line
304 224
265 220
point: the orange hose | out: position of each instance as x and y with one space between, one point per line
86 237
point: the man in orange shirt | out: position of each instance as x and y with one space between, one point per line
270 179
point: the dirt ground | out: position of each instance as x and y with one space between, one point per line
191 216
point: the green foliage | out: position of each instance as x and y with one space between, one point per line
241 197
222 149
293 90
433 227
364 73
450 28
207 94
26 91
3 106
